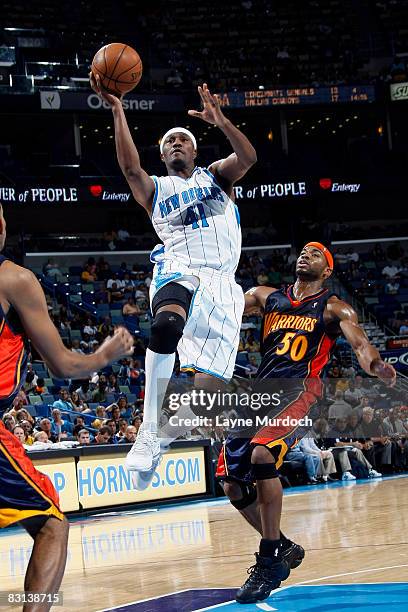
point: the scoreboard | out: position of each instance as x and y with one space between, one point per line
299 96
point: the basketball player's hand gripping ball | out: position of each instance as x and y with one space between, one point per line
211 112
95 83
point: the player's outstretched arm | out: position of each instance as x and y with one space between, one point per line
255 298
368 356
139 181
236 165
23 291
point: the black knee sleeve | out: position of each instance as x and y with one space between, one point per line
166 331
248 497
264 471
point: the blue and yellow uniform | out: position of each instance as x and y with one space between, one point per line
296 346
24 491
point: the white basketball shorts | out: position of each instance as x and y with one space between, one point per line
211 334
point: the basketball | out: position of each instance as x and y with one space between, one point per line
119 68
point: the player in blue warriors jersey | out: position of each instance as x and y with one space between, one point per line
196 304
299 329
26 495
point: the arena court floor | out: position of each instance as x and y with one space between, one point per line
191 557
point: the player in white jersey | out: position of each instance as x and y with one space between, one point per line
196 304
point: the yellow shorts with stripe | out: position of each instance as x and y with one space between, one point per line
24 491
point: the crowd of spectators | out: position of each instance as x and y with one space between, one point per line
378 278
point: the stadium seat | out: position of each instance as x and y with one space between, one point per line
35 400
31 410
47 398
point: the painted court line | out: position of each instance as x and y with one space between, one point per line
365 571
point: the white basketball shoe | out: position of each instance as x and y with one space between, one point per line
145 451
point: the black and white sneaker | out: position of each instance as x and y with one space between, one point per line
292 553
265 576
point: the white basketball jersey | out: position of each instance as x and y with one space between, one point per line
196 221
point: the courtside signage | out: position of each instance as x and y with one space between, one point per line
62 473
103 480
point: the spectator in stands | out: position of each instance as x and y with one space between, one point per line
79 421
129 436
115 280
136 422
327 465
395 429
262 278
123 404
28 429
365 401
61 428
46 425
112 426
20 434
115 294
9 421
353 394
131 310
112 384
100 412
352 256
51 269
310 461
30 382
376 447
83 437
339 408
403 330
41 437
338 437
129 284
84 392
89 274
23 415
122 429
64 402
78 404
251 345
89 327
390 271
123 235
100 394
76 346
110 237
40 388
392 287
103 436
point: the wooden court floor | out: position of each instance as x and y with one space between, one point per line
352 533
